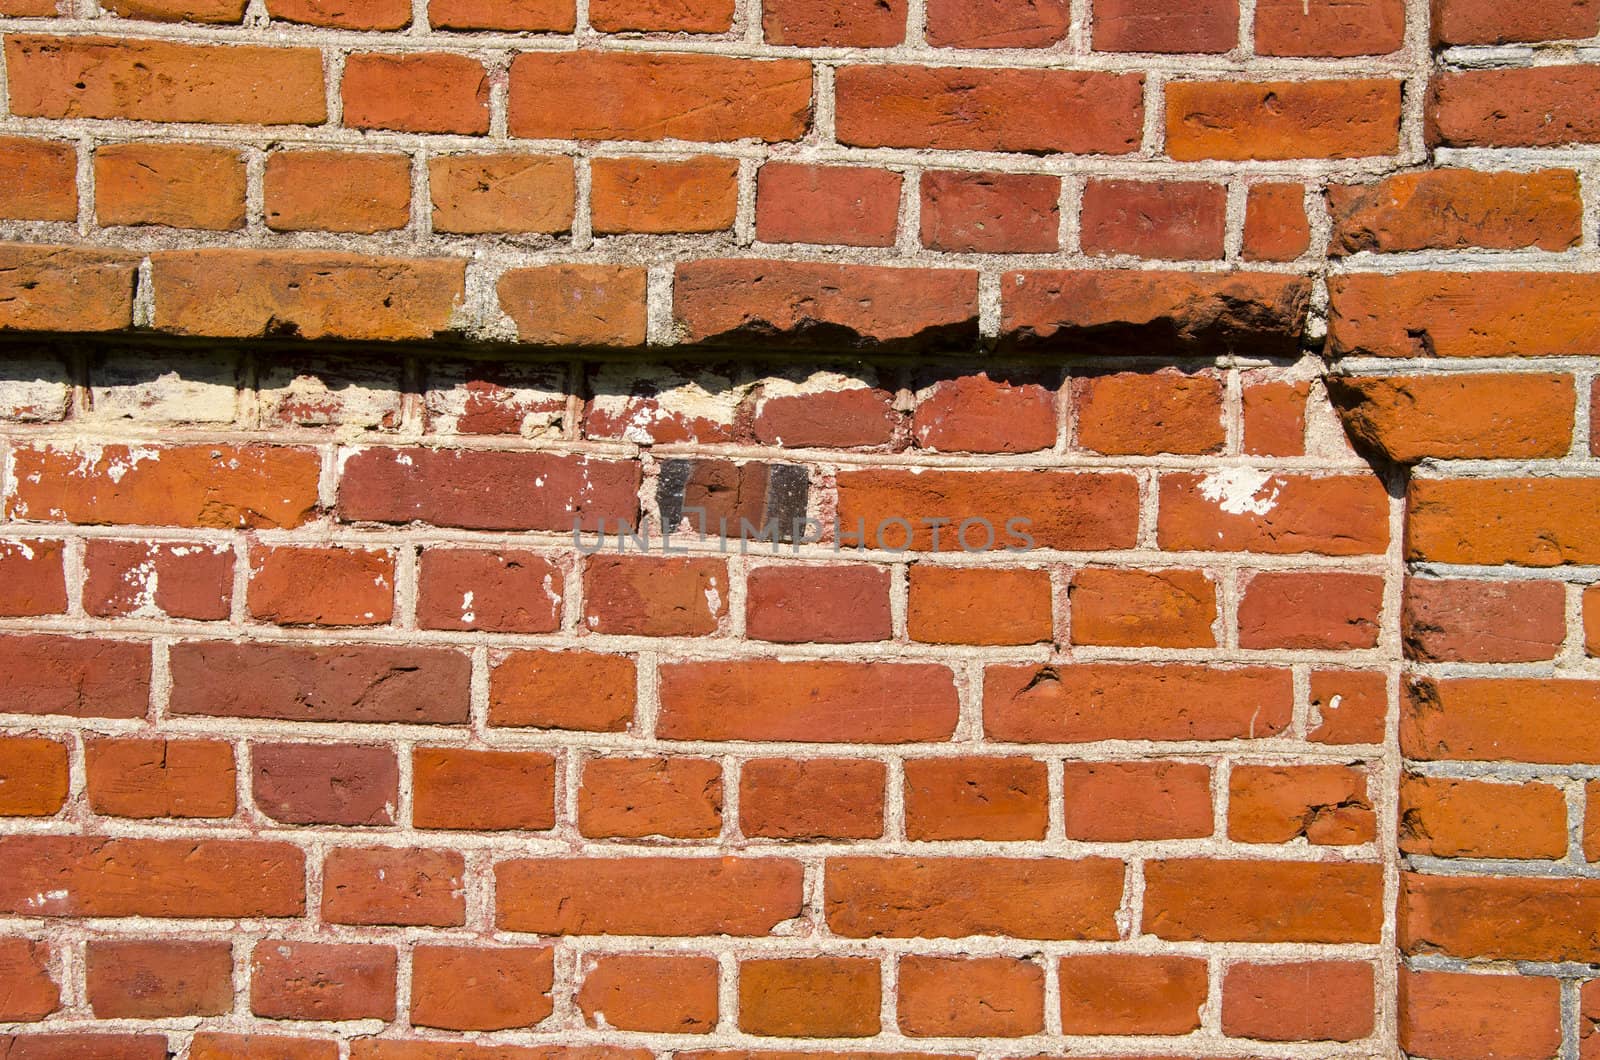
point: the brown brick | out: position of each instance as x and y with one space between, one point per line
325 981
342 784
990 212
1153 219
1206 26
157 980
996 24
818 798
849 205
1461 620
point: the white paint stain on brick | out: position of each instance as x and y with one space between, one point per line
1241 490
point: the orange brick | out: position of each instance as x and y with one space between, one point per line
573 690
483 791
1484 719
985 605
1207 26
336 191
33 776
556 16
1455 1016
483 194
815 798
322 586
976 798
32 578
1144 413
991 24
147 778
391 885
816 997
358 14
1331 28
1462 620
834 23
41 177
1267 1001
28 989
1475 819
1348 706
636 797
419 93
178 185
1275 224
1335 515
1279 120
480 988
1330 611
1541 522
986 412
1137 608
1451 208
1118 993
1326 805
1543 106
642 195
1242 901
955 997
651 992
662 16
576 305
1119 802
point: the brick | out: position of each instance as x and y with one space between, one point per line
1325 805
158 980
1544 106
1591 621
649 596
208 12
979 414
517 398
556 16
1412 418
1326 610
1448 818
985 213
380 885
985 109
74 676
419 93
221 487
342 784
1448 209
1275 417
643 195
988 997
1143 609
833 604
1209 26
1059 510
632 798
464 488
1267 1001
1247 901
1486 719
321 392
37 387
976 798
979 605
337 191
1090 702
1122 993
177 185
576 305
206 1045
1112 311
46 288
650 405
737 301
662 16
357 682
1348 706
1145 413
820 702
308 294
650 992
1280 120
815 414
42 177
322 586
1461 620
70 1046
1253 511
151 80
398 1049
1275 224
1153 219
834 23
1034 898
145 778
193 389
1330 28
1122 802
643 96
32 578
322 981
849 205
1451 1016
809 997
27 990
1506 918
95 876
1530 522
1483 22
573 690
140 578
691 896
988 24
508 591
360 14
510 194
818 798
474 988
1481 314
482 791
34 776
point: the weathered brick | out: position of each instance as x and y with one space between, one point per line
834 23
976 798
1279 120
556 16
95 876
337 191
212 12
322 586
832 604
821 701
1451 1015
322 980
357 682
509 590
354 14
992 24
1153 219
1488 719
511 194
990 212
1461 620
980 605
152 80
76 676
644 195
343 784
1263 901
691 896
654 596
662 16
809 997
984 109
33 776
42 176
1143 608
1275 223
850 205
1208 26
1450 208
1251 511
1449 818
28 992
1348 706
207 1045
1327 805
562 690
1486 22
1034 898
985 412
1330 28
1119 993
817 798
576 305
419 93
1121 802
1542 106
178 185
1089 702
650 992
485 791
1541 522
1325 610
49 288
614 95
632 798
1502 918
163 777
987 997
1266 1001
478 988
1478 314
382 885
1145 413
140 578
158 979
1412 418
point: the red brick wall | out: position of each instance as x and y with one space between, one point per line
324 323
